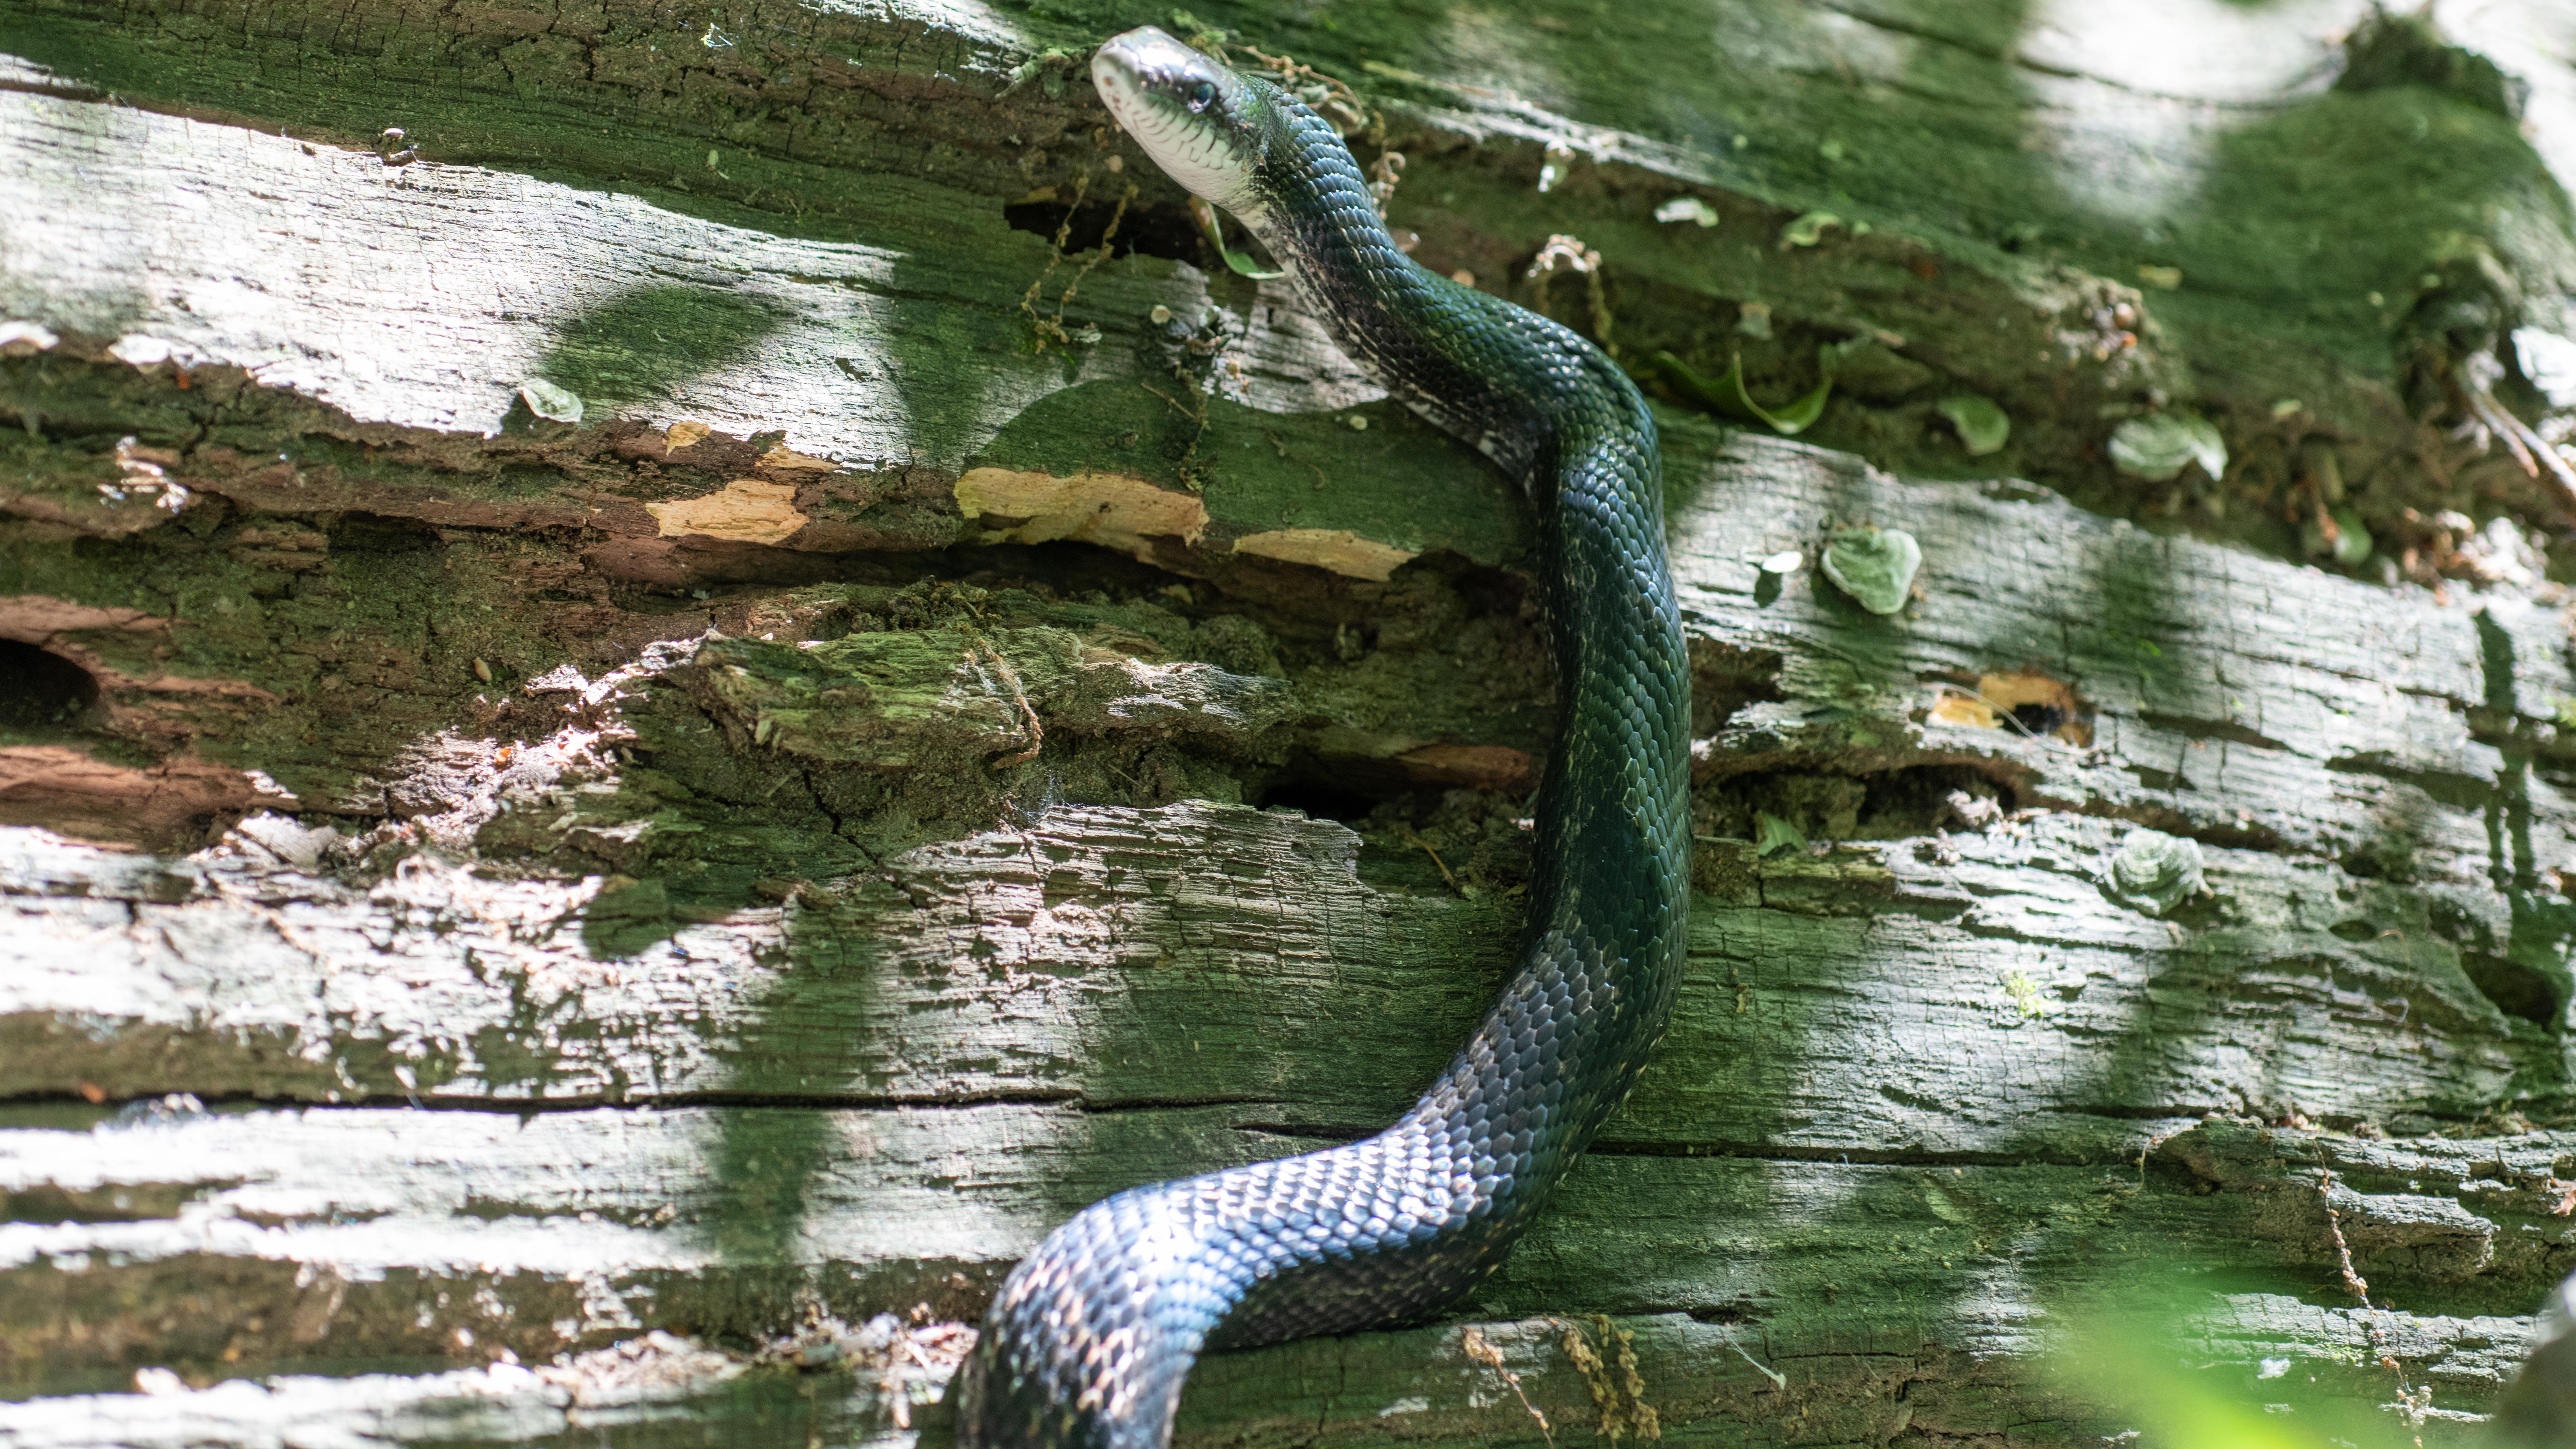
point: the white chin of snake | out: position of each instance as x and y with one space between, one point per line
1193 155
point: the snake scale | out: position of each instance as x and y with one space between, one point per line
1090 1338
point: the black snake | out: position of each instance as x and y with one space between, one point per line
1090 1338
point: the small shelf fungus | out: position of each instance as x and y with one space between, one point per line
547 400
1876 566
2339 533
2159 446
2154 872
1982 426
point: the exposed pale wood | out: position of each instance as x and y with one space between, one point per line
1080 955
383 1233
258 244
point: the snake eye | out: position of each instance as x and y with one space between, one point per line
1202 95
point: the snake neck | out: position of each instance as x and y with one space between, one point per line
1496 375
1564 422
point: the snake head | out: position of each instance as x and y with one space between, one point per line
1206 126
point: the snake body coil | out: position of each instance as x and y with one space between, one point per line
1088 1342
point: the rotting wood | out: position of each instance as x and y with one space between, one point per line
1000 964
563 873
2001 936
472 1233
2005 260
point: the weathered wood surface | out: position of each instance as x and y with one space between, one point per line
473 279
2316 748
2073 148
1973 998
594 887
384 1235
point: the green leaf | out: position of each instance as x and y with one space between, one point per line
1214 230
1727 396
2158 447
1983 427
1778 836
1809 228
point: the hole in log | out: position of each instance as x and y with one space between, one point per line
1725 679
2023 701
2516 989
1319 798
1882 805
41 691
1157 231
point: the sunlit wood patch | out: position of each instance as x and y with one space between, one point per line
1109 509
2025 700
1338 549
785 459
749 510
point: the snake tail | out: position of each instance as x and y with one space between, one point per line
1088 1342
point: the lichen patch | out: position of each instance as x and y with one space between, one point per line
748 510
904 699
1338 549
1109 509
